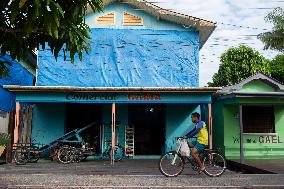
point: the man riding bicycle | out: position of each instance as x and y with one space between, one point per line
202 139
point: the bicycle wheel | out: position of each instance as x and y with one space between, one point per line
64 154
171 164
76 155
21 155
33 154
118 153
215 164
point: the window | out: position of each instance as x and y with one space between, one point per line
131 20
258 119
107 19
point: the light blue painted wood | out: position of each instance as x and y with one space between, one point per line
121 116
48 122
149 22
178 123
181 98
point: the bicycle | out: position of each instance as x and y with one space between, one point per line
26 153
118 152
69 154
171 164
29 152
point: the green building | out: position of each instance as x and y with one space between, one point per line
248 119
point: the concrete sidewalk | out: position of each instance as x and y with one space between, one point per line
93 167
270 165
124 174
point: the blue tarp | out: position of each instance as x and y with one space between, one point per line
19 76
127 58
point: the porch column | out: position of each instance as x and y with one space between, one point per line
241 135
112 133
17 122
210 125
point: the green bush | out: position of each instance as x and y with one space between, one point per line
4 139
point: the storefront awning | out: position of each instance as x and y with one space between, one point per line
195 95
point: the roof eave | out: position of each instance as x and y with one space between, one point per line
249 94
16 88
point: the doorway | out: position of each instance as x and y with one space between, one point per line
81 115
149 128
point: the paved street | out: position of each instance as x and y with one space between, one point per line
126 174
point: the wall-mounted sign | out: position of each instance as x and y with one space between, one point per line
144 97
115 97
84 96
269 139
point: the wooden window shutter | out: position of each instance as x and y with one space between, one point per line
258 119
131 20
107 19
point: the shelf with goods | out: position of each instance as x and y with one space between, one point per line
129 141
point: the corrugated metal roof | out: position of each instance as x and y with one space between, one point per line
259 76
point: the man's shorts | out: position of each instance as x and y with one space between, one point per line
199 147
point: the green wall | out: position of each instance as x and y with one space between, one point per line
218 125
257 86
226 126
48 122
256 146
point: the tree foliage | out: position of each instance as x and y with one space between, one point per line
274 39
238 64
277 68
29 24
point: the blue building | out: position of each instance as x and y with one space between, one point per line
20 74
142 70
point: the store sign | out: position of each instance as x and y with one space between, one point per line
91 97
269 139
117 97
143 97
113 97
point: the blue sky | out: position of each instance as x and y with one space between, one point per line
246 13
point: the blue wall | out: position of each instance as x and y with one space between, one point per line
7 100
121 115
48 122
18 76
178 122
158 54
127 58
149 22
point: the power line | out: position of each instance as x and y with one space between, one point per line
240 26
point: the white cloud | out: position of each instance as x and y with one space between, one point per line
246 13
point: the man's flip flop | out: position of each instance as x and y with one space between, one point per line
201 171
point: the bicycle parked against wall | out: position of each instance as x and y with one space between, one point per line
69 154
30 152
171 164
25 153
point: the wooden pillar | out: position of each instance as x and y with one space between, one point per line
11 127
210 125
112 133
241 135
17 123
